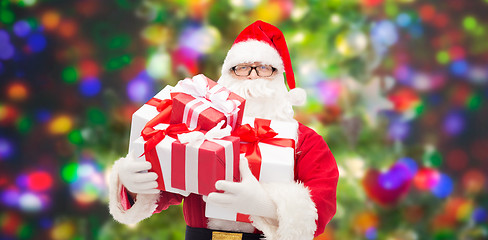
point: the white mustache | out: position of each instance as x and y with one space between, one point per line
265 100
257 88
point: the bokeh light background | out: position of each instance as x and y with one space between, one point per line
398 88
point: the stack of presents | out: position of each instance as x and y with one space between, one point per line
194 135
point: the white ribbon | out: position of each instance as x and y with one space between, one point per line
198 87
216 97
197 138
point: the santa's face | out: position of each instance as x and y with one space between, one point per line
266 97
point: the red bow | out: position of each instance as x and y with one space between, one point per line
154 136
164 108
263 133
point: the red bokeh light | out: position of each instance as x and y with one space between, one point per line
88 68
426 178
39 181
427 12
372 3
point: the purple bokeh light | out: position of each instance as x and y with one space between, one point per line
140 89
6 149
396 176
6 48
22 28
399 130
454 123
411 165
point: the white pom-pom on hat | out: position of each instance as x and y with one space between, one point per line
297 96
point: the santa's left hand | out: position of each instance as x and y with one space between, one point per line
247 196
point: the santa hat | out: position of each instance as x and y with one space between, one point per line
265 43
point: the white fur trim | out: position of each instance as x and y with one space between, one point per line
226 225
297 96
252 51
143 207
296 213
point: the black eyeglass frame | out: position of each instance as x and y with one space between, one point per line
255 69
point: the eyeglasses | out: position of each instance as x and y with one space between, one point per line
261 70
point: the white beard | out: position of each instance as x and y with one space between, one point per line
264 98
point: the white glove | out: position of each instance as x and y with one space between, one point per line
134 175
247 196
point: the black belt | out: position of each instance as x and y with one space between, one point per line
209 234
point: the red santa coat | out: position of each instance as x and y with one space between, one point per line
304 207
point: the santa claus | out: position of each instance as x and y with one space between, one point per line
254 69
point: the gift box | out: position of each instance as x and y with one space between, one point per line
269 146
156 111
199 101
188 167
149 111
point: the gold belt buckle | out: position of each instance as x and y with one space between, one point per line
226 236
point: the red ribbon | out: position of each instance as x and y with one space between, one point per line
262 132
164 108
154 136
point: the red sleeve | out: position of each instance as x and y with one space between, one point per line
317 169
125 199
166 199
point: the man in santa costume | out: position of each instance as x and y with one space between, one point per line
254 69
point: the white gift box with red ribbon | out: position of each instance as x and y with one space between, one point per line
140 118
277 163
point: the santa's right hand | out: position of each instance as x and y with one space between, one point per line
134 175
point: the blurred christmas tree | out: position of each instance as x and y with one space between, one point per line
398 89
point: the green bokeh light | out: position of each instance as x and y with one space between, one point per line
125 4
432 159
444 234
479 31
118 62
75 137
96 116
70 75
443 57
24 124
26 3
474 102
470 23
6 16
69 172
391 9
119 42
333 3
25 231
419 109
